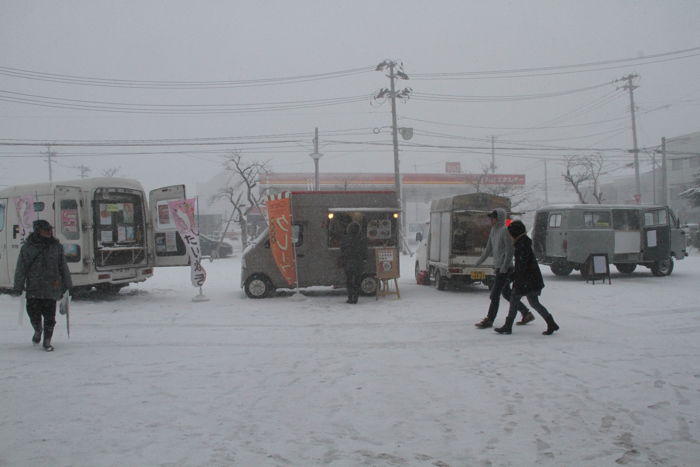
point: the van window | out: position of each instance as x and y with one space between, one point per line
69 225
298 234
599 219
2 216
554 221
656 217
626 219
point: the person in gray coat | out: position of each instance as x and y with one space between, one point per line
43 272
500 246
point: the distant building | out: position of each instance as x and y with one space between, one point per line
682 165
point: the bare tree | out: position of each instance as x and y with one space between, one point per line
583 174
240 190
110 172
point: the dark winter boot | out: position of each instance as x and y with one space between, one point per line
527 317
484 323
551 327
48 333
507 328
36 338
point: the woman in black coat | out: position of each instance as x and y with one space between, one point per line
527 280
353 251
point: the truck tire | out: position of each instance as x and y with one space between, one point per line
626 268
258 286
440 280
561 268
368 285
663 267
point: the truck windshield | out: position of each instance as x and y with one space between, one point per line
470 233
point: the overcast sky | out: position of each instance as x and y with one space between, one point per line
79 69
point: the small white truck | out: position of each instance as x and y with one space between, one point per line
456 236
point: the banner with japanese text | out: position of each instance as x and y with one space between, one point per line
25 215
279 211
182 213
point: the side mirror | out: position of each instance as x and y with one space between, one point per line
419 236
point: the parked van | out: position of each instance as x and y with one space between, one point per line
111 236
319 221
565 235
456 236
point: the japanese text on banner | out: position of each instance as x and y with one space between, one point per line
279 209
182 212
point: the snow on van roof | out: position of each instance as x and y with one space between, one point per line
393 209
600 206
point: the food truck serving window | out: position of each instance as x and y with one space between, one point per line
379 228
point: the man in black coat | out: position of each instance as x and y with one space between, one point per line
43 272
527 280
353 251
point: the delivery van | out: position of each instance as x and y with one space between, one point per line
111 233
319 220
564 236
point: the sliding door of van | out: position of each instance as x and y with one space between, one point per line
4 265
167 246
657 234
68 226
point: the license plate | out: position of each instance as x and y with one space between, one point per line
477 275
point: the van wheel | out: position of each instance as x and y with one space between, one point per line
368 285
258 286
626 268
561 268
440 280
662 267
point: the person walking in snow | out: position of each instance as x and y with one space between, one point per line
43 272
527 281
500 246
353 251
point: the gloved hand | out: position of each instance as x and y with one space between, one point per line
15 292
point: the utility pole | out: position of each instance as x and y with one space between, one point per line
49 155
631 87
316 156
546 186
664 173
493 155
395 71
84 170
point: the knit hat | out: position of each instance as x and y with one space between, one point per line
41 224
516 228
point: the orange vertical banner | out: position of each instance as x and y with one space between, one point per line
279 211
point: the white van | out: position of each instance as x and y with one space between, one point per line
111 236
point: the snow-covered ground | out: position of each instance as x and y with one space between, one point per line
150 378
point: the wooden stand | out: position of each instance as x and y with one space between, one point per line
387 269
383 288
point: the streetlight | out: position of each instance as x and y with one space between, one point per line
316 156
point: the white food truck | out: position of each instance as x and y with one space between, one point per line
111 233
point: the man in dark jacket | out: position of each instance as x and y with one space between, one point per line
353 251
43 272
527 280
500 246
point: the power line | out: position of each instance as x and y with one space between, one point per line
146 84
457 98
560 69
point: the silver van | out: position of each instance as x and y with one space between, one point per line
565 235
319 220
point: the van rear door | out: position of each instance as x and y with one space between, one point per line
656 234
165 244
68 228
